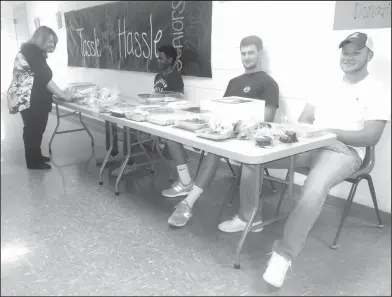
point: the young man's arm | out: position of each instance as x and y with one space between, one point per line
177 84
270 96
369 136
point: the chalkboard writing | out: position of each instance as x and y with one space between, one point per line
127 35
362 15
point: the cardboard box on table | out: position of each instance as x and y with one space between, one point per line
227 109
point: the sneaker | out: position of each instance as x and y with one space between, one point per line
128 169
111 159
237 225
276 270
181 215
178 189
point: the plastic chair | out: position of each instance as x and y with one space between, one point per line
355 178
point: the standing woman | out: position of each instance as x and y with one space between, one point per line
31 92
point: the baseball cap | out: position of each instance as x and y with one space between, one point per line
360 40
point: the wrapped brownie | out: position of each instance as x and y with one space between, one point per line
264 141
288 137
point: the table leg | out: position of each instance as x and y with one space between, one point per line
107 153
199 164
259 174
125 162
55 130
85 127
291 176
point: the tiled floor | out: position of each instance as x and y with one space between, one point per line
63 234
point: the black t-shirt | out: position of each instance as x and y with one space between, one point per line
171 82
258 85
41 97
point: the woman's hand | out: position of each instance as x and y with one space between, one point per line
65 95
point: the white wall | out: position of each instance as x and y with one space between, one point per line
8 48
301 53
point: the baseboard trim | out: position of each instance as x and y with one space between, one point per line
360 211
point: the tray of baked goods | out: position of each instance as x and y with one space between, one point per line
163 97
217 129
232 100
303 130
266 134
166 119
191 124
214 134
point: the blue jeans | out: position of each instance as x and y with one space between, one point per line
328 167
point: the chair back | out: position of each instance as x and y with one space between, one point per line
368 162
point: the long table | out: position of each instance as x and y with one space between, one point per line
245 152
242 151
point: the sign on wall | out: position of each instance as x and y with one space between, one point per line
352 15
126 35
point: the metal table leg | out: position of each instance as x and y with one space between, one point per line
107 153
199 164
125 162
87 130
291 175
259 181
260 177
55 130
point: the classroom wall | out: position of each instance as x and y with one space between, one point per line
9 46
301 53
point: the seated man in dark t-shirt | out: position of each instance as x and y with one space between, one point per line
167 80
254 84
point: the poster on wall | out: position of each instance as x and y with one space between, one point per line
126 35
353 15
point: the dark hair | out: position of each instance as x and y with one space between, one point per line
252 39
169 51
41 35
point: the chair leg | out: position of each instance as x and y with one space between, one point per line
199 164
272 185
373 193
231 168
282 195
350 199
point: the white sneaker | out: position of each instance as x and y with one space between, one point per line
178 189
237 225
276 270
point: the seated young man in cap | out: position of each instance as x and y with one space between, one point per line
255 84
356 109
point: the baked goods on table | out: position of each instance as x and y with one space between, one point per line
192 124
217 129
151 98
212 134
246 130
160 121
288 137
232 100
160 97
137 115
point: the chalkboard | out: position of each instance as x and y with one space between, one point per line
126 35
355 15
